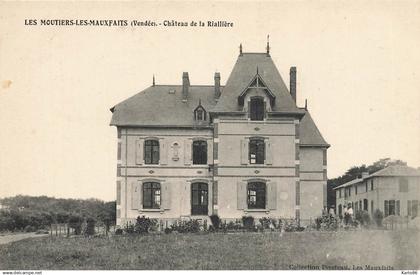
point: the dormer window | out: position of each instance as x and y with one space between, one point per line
200 113
257 108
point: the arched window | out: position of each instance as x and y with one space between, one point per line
200 152
256 151
256 195
257 111
151 151
151 195
199 198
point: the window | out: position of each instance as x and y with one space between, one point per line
257 108
151 152
371 184
200 152
392 207
355 189
200 113
340 210
360 205
412 208
256 151
151 195
365 204
366 186
256 195
199 198
403 182
339 193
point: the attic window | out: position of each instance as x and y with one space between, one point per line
200 113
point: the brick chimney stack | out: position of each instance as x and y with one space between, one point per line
185 86
293 82
217 92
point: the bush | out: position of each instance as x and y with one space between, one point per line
215 221
378 216
30 228
168 230
129 228
190 226
268 223
326 222
292 226
75 222
90 227
248 222
363 217
143 225
118 231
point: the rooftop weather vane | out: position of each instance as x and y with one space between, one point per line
268 44
153 80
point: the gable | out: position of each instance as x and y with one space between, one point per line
257 83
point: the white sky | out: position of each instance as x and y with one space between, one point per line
358 65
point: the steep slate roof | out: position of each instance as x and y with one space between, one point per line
396 170
155 106
242 74
309 133
390 171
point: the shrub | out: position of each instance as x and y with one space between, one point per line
75 222
129 228
268 223
118 231
363 217
190 226
326 222
168 230
90 227
248 222
215 221
378 216
30 228
144 225
292 226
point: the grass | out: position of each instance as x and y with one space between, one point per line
397 249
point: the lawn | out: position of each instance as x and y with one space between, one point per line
344 249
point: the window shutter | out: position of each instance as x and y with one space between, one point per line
187 151
166 195
209 151
139 151
268 153
244 151
163 152
397 210
241 195
272 195
386 205
136 195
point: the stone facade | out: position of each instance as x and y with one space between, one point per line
393 190
286 178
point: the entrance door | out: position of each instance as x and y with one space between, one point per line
199 198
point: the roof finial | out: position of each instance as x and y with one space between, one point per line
257 69
268 45
240 49
306 104
199 102
153 80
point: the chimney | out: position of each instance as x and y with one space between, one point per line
365 174
293 82
185 86
217 85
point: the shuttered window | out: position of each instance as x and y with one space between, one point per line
256 151
151 195
151 152
256 195
365 204
403 184
200 152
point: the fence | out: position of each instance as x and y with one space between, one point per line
64 229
